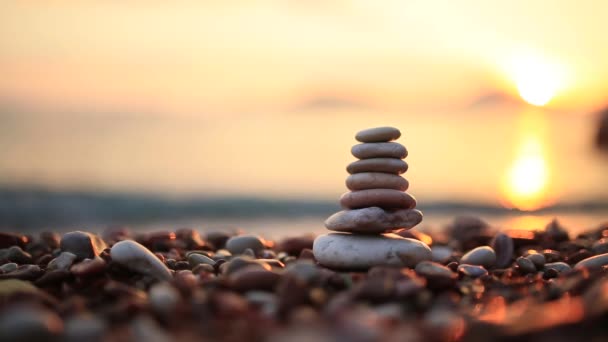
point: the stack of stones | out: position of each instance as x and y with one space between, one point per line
376 207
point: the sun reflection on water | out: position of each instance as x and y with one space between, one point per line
527 179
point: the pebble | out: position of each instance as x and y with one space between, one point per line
433 269
596 261
9 287
24 272
253 278
82 244
376 180
379 150
537 259
241 262
89 267
25 323
62 262
473 271
238 244
384 198
12 239
164 298
373 220
482 256
525 265
378 134
441 254
84 328
295 245
503 246
8 267
138 258
558 266
600 246
195 259
16 254
347 251
385 165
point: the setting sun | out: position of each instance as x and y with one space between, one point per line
527 178
537 80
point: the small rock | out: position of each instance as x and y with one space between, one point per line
16 254
558 266
9 267
383 198
12 239
596 261
50 239
386 165
373 220
24 323
295 245
238 244
482 256
164 299
525 265
10 287
378 134
600 246
241 262
441 254
537 259
84 328
376 180
347 251
503 246
472 271
379 150
24 272
62 262
82 244
89 267
433 269
136 257
195 259
253 278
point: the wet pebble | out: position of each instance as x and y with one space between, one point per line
239 244
537 259
62 262
558 266
525 265
138 258
472 271
482 256
596 261
82 244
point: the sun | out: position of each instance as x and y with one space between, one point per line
537 79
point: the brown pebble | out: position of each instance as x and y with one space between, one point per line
383 198
376 180
379 150
386 165
378 134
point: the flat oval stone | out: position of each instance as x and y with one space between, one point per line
379 150
138 258
386 165
378 134
558 266
238 244
61 262
482 256
596 261
473 271
376 180
373 220
383 198
350 251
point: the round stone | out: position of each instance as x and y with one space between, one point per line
386 165
350 251
596 261
376 180
238 244
373 220
383 198
138 258
482 256
379 150
82 244
378 134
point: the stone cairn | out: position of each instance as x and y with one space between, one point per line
375 208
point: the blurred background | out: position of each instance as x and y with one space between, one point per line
242 113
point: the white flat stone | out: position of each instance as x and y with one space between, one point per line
351 251
138 258
373 220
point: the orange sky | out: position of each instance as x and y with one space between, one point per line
264 97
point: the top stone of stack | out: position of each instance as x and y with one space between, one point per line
378 134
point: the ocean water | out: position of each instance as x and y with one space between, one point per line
280 227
